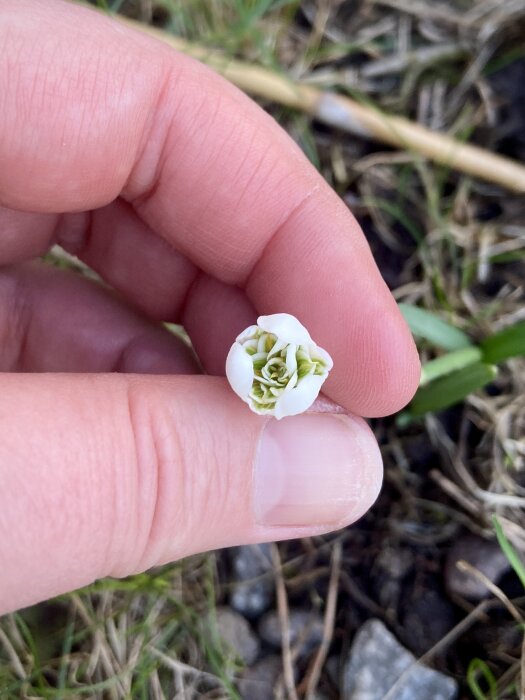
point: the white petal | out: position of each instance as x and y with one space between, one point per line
286 327
293 382
291 359
258 356
250 344
278 346
248 333
299 399
239 370
318 353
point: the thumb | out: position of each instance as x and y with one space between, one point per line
111 474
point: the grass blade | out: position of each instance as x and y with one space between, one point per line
427 325
478 668
64 659
509 551
452 361
510 342
451 389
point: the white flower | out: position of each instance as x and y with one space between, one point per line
276 368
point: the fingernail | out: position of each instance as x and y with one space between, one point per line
315 469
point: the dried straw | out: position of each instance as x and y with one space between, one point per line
352 116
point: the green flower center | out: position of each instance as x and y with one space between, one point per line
278 367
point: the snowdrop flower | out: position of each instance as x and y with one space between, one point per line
276 368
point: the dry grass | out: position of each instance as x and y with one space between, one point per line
443 241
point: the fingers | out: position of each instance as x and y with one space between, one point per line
135 481
116 243
24 235
101 110
143 267
51 320
214 315
330 279
76 103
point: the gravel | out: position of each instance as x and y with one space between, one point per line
378 667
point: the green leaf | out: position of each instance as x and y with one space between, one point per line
451 389
509 551
510 342
427 325
452 361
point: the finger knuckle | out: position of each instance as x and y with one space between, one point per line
180 485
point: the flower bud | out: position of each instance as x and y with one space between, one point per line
276 368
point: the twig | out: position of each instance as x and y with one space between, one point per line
181 667
314 672
453 490
464 566
428 55
522 669
284 619
350 115
13 657
436 11
101 651
360 597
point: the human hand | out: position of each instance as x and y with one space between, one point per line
197 208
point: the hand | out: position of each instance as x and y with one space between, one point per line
197 208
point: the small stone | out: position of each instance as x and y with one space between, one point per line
237 634
253 590
258 681
306 628
484 555
391 566
377 662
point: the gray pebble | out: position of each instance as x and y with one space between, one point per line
258 681
484 555
305 627
377 661
237 633
253 590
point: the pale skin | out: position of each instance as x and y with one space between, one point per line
192 204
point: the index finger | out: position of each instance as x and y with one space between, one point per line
94 110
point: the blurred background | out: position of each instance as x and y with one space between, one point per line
433 572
